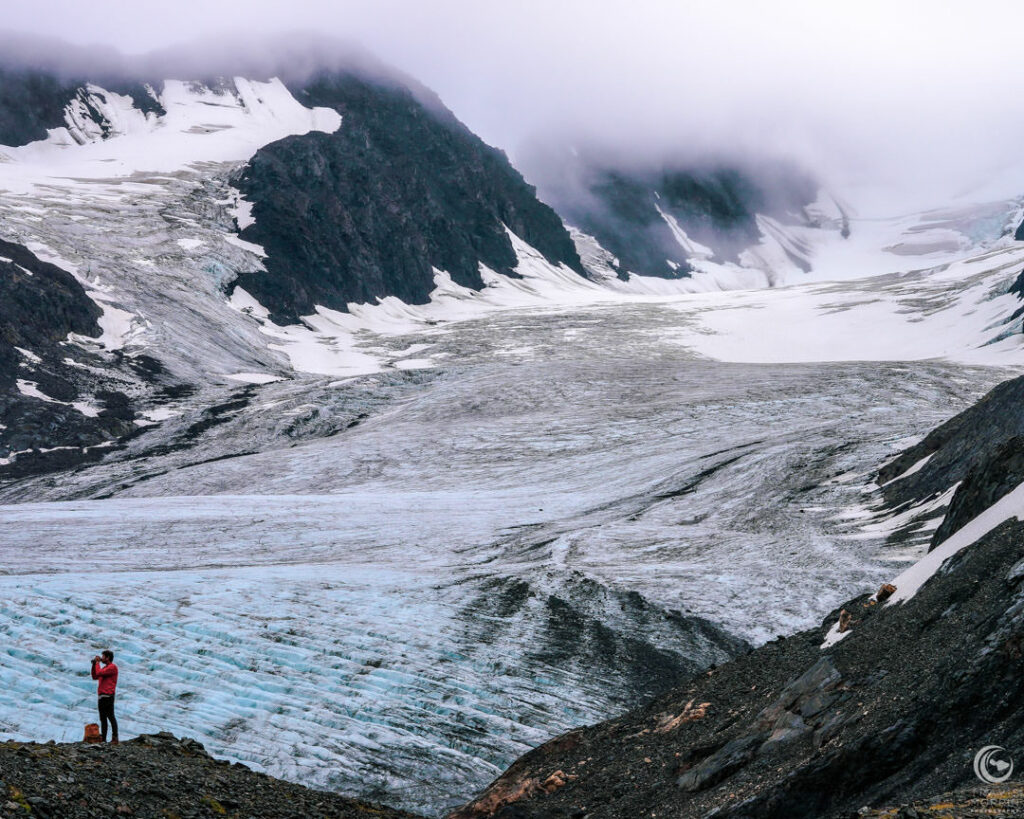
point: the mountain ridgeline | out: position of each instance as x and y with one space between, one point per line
403 189
400 190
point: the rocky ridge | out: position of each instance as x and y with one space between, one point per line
155 775
978 451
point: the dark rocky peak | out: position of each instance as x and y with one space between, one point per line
401 189
636 211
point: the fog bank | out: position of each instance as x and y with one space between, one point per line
917 100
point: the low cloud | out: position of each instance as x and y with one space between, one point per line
914 99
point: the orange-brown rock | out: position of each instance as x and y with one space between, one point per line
689 713
886 591
845 621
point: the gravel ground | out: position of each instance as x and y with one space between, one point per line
155 776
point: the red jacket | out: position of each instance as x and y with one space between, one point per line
107 675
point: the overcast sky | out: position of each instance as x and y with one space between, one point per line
919 94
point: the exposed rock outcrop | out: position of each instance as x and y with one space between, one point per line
370 211
56 404
980 448
32 101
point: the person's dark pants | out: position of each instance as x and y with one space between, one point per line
106 704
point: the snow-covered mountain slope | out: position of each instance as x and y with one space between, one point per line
156 169
138 207
708 225
833 244
107 137
134 195
134 204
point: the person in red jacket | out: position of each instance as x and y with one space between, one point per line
104 670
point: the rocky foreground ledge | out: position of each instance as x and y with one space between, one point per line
155 775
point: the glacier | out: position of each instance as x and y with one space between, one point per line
371 610
383 550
